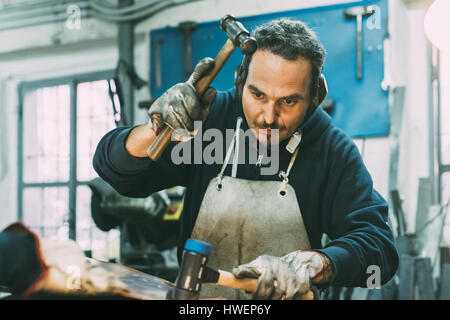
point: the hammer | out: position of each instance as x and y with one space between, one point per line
237 36
194 271
359 13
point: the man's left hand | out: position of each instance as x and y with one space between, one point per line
288 277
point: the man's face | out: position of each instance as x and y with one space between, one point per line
276 94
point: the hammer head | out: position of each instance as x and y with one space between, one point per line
363 11
238 34
188 26
189 279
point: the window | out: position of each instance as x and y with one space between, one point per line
61 121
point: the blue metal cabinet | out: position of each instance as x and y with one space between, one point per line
361 106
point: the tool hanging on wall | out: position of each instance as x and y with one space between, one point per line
359 13
116 100
158 44
123 69
398 212
187 27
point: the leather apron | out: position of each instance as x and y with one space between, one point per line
243 219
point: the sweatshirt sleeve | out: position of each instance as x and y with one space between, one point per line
134 176
355 217
19 263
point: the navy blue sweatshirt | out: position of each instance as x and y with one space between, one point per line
19 263
334 189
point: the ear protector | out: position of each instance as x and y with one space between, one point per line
319 94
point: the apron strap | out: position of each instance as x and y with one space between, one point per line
235 143
236 148
291 163
284 175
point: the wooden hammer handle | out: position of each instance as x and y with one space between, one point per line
162 140
227 279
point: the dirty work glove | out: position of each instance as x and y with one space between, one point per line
179 106
65 269
288 277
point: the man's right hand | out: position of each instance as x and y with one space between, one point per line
179 106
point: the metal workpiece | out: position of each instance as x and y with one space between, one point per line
141 285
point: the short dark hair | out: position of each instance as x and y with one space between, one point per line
290 39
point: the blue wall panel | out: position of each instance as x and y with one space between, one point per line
361 106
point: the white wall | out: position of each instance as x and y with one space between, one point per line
53 50
412 69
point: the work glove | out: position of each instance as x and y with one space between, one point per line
286 278
180 106
65 269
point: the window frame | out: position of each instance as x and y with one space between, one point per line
72 184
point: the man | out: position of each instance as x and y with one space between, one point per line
267 226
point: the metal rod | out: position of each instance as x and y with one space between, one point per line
438 148
359 49
42 11
73 163
33 21
158 76
126 53
30 6
188 54
21 93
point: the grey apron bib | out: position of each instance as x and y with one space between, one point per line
243 219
